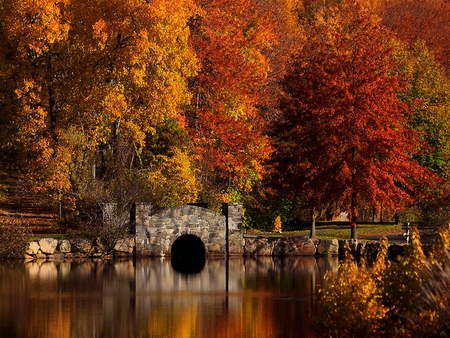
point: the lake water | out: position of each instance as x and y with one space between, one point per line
252 297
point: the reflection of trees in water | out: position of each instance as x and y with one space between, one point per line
266 296
68 299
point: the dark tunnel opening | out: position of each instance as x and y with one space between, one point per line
188 254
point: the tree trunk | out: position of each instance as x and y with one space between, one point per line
353 215
353 231
381 213
353 209
312 233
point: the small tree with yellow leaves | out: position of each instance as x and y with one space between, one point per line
277 225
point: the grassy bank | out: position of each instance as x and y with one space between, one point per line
364 232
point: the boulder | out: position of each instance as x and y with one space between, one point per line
294 246
259 246
48 245
33 248
40 256
328 247
82 245
348 246
395 250
369 249
125 245
64 246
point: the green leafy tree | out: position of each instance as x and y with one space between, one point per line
427 93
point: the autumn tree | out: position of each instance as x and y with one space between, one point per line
428 93
414 20
141 51
35 33
345 138
226 122
86 81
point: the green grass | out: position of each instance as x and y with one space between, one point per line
54 236
364 232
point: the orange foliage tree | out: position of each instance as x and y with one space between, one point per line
345 137
227 124
172 95
84 78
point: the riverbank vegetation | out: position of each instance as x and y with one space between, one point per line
299 109
400 298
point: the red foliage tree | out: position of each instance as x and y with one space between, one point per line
225 123
345 137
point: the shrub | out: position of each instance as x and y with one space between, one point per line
352 303
113 226
433 305
399 298
14 238
107 223
277 224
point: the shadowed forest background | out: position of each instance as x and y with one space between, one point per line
298 109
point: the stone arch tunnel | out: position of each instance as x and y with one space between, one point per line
159 230
188 254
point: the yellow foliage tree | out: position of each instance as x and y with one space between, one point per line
171 180
277 226
83 79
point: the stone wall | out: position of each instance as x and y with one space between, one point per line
77 248
157 230
304 246
233 215
53 249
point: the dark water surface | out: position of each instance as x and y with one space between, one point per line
258 297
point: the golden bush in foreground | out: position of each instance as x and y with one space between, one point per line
401 298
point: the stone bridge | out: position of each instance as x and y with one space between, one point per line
188 230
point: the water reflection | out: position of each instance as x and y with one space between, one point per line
147 298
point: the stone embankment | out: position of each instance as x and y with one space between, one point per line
81 248
303 246
77 248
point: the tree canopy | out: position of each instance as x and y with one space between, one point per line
194 100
